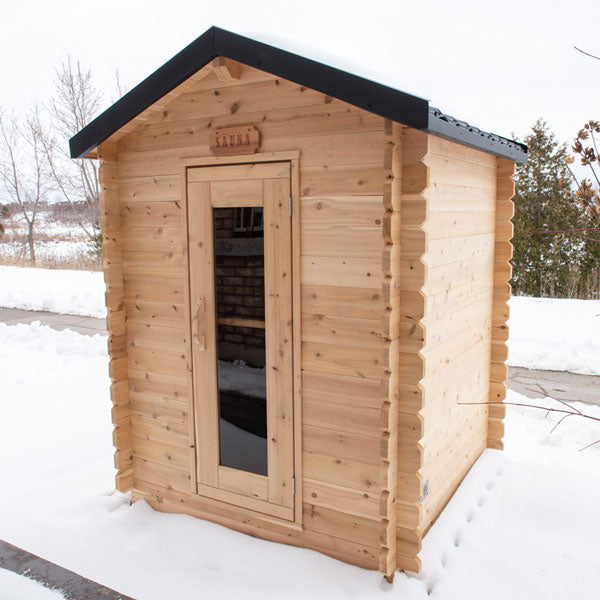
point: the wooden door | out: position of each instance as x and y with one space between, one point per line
240 282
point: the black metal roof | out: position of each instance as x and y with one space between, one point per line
376 98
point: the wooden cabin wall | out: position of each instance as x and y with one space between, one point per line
341 181
458 215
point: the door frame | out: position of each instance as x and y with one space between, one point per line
293 157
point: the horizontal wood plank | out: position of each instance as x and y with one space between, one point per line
339 388
341 417
160 408
342 331
360 448
160 431
156 336
355 502
342 211
339 471
160 361
163 454
342 301
342 360
150 213
342 180
344 272
162 313
338 524
351 242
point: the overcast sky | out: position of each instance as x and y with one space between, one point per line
498 65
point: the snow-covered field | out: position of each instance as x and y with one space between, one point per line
58 242
555 334
47 250
523 525
54 290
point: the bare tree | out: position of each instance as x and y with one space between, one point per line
75 102
120 87
21 168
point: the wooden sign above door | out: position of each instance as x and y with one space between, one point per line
244 139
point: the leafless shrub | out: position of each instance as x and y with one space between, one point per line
75 102
22 172
81 262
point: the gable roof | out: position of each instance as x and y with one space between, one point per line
374 97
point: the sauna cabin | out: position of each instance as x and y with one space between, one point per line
307 283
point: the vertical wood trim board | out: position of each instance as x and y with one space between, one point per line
503 251
279 346
112 264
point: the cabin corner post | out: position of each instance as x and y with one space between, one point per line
503 250
413 210
112 263
390 363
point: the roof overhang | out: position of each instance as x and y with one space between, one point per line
371 96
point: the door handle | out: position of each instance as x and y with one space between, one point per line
199 324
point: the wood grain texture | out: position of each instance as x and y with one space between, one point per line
407 233
403 246
115 321
505 189
204 343
360 553
342 317
456 318
392 192
278 334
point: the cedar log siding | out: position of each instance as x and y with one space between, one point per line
112 264
503 250
341 275
404 243
449 212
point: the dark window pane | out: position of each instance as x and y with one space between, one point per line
239 286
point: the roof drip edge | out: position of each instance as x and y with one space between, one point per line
450 128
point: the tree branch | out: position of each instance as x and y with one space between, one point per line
586 53
577 230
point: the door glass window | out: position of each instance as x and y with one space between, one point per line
240 313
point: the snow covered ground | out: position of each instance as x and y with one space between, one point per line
54 290
555 334
523 525
15 587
